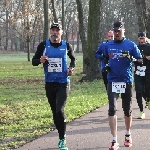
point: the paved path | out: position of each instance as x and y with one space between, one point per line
91 132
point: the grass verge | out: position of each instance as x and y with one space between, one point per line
24 110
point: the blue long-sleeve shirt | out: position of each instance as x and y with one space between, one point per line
100 55
120 65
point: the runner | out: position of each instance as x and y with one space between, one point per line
118 54
100 55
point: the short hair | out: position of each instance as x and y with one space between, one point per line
110 31
141 34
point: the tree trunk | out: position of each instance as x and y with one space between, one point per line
143 16
78 43
54 12
46 19
63 17
33 44
0 39
148 21
28 47
95 7
82 32
6 46
141 12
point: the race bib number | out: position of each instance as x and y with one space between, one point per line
118 87
140 70
55 65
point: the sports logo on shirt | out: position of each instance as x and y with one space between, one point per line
118 54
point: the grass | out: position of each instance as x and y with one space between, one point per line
24 110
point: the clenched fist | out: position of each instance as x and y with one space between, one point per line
43 59
70 71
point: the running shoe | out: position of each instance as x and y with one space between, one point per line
128 141
148 105
62 144
142 115
114 145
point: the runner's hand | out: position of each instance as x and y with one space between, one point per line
126 54
70 71
147 57
106 69
43 59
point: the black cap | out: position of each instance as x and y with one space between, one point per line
118 25
141 34
56 25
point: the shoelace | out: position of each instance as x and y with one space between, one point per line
127 138
62 142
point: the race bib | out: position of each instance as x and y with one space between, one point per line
140 70
118 87
54 64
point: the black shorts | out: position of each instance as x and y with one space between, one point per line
126 100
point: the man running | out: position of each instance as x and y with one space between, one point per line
118 54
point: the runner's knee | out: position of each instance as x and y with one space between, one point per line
127 113
111 112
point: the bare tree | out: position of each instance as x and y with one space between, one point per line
23 20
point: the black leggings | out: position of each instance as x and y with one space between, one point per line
140 90
126 100
105 79
147 81
57 94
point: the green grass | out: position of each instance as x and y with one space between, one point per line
24 110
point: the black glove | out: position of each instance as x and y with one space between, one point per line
126 54
106 69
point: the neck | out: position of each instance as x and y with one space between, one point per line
55 41
119 41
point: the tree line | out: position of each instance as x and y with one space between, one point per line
25 23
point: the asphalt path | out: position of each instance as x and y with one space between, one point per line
92 132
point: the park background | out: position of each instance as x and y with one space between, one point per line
24 111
